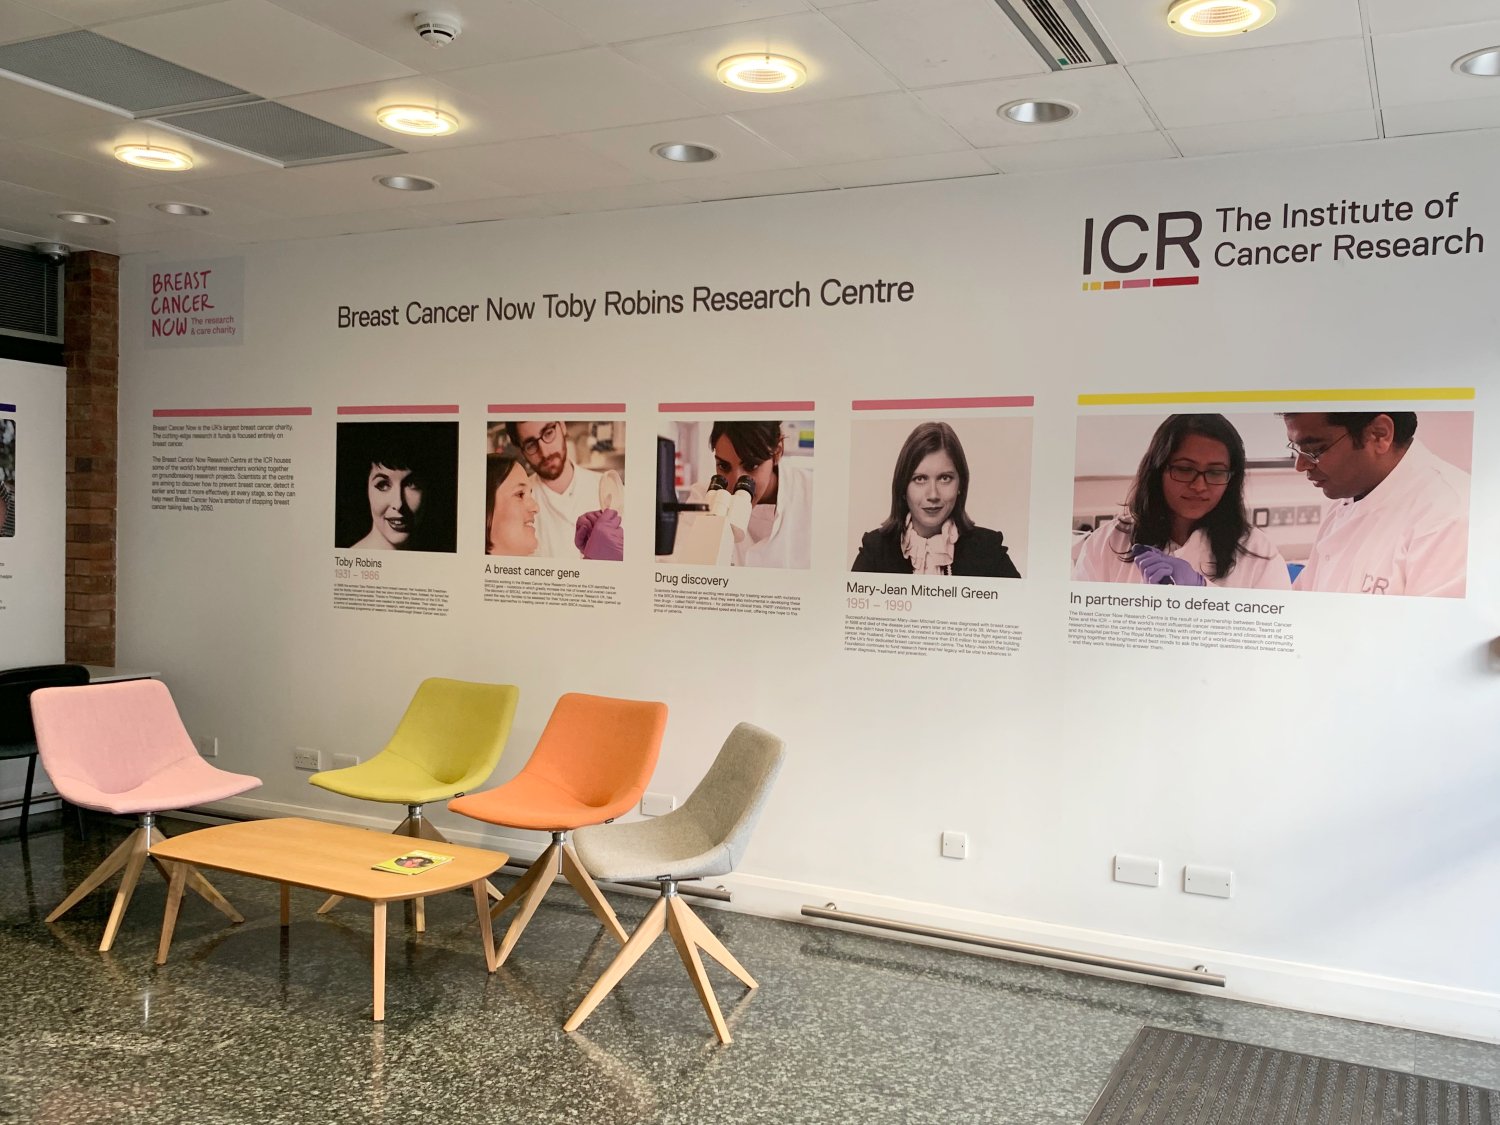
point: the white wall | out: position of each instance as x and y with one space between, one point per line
1351 787
32 562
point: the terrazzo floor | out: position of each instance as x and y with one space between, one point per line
253 1024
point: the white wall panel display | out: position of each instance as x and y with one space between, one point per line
931 581
32 512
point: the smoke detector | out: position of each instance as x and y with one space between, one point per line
437 29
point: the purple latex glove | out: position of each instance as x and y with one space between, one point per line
1162 569
599 535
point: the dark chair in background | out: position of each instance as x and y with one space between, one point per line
17 734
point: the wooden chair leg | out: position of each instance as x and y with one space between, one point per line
647 932
589 891
705 939
528 891
198 882
688 951
133 865
116 860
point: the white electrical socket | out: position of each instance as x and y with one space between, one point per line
956 845
1138 869
1215 881
344 761
305 759
207 747
656 804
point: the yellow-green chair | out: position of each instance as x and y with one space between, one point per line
448 742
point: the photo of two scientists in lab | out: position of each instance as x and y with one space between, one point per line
1341 502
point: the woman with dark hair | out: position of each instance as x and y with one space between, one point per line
1185 521
779 529
509 507
929 531
396 481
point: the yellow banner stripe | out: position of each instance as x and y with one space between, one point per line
1337 394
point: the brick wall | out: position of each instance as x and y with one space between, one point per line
91 350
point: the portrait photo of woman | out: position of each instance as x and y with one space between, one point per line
1184 522
397 486
510 504
928 528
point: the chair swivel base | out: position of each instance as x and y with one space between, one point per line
132 855
690 936
418 827
531 887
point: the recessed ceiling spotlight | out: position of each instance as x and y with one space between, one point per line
153 158
406 183
1481 64
1220 17
762 73
683 152
1028 112
417 120
191 210
84 218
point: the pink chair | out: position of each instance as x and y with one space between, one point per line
121 748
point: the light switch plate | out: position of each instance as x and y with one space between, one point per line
1215 881
1141 870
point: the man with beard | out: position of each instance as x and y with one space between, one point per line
569 522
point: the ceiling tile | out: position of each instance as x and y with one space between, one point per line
1328 76
739 149
853 129
1107 103
576 92
87 13
98 145
907 169
541 164
177 243
26 111
789 182
938 42
484 210
479 120
492 30
255 45
621 198
836 66
1281 132
1410 15
610 21
21 21
45 169
1417 66
323 226
1080 152
1138 31
1442 117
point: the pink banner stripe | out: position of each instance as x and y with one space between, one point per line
448 408
940 403
237 412
557 408
733 407
1137 283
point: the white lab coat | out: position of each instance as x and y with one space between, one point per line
558 513
789 543
1410 535
1099 560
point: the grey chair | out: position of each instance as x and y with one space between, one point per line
17 733
705 837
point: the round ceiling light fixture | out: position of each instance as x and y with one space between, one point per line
84 218
1481 64
406 183
154 159
1027 112
1220 17
682 152
417 120
189 210
762 73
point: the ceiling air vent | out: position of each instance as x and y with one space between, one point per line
30 295
1059 32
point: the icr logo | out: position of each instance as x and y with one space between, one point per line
1124 245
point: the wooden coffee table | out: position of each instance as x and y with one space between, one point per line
330 858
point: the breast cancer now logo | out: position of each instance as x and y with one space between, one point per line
1132 244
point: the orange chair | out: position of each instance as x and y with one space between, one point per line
591 765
